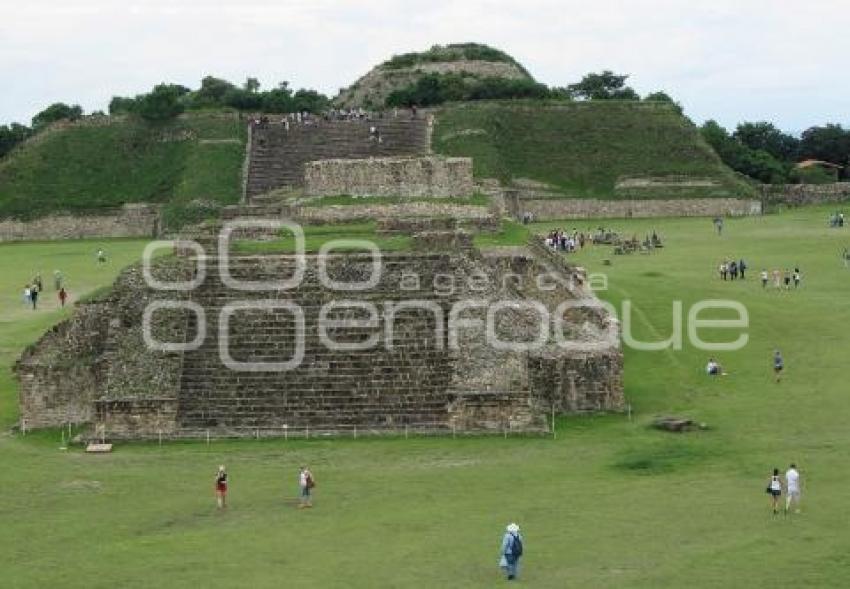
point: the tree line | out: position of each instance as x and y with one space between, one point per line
166 101
763 152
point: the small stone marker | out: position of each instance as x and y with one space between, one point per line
94 448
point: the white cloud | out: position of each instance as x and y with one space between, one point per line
724 59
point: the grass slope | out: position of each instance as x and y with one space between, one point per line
583 148
609 503
82 168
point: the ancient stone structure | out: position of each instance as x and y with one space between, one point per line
436 339
805 194
431 176
131 220
590 208
372 89
278 151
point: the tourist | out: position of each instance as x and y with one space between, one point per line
221 487
57 280
718 224
778 365
713 368
786 278
792 489
764 278
511 552
774 489
101 256
34 297
733 270
742 267
37 283
777 279
797 277
305 485
723 270
27 297
63 296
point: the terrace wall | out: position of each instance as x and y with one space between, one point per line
397 176
131 220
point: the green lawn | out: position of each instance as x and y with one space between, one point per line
315 236
609 503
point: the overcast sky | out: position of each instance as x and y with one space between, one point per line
731 60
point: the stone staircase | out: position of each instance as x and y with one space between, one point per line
278 153
379 388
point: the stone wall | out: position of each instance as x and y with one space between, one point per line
100 351
96 366
805 194
465 215
392 176
590 208
131 220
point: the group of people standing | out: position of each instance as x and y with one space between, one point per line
782 279
558 239
732 270
33 290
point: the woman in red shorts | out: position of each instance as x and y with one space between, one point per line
221 487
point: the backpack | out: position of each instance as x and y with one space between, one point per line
516 546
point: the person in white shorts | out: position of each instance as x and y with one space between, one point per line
792 488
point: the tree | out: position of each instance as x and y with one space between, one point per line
765 136
251 85
56 112
755 163
660 96
830 143
121 105
12 135
161 104
603 86
211 92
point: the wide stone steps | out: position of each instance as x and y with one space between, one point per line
278 155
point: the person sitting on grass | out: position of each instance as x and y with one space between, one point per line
713 368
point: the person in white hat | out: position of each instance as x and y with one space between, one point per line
511 551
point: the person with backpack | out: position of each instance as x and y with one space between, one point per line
511 551
306 482
774 489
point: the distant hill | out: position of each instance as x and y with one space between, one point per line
601 149
192 165
465 59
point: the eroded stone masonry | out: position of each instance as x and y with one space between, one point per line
404 365
391 176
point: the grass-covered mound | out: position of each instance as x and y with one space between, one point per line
585 149
95 164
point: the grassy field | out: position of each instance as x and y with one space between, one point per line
315 236
86 167
583 148
609 503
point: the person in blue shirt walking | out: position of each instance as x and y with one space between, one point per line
511 552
